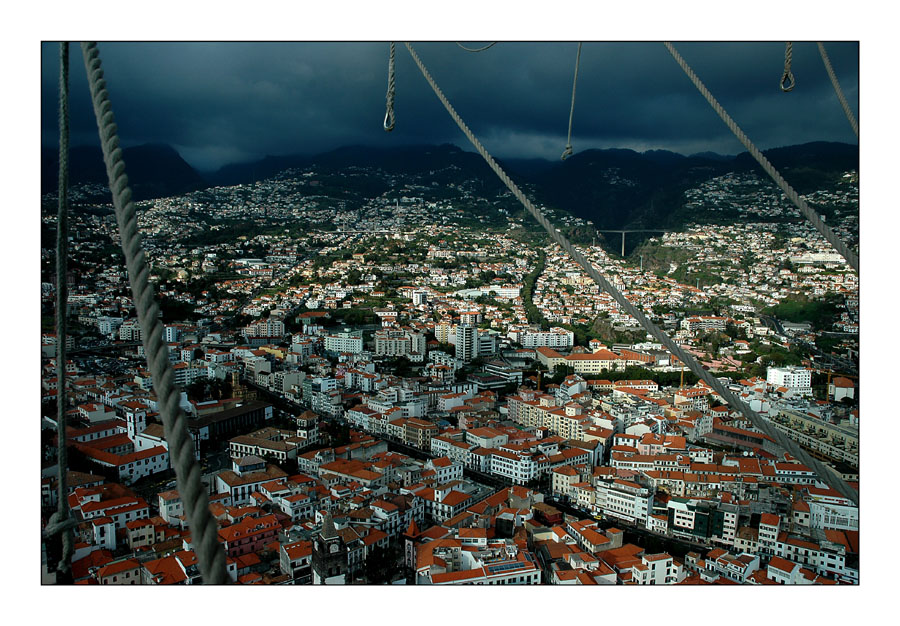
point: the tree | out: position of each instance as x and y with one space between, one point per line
208 389
734 331
402 366
562 368
381 565
354 277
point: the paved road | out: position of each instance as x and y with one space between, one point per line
274 399
815 352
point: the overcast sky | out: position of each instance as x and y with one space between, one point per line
219 103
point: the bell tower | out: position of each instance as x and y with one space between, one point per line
238 390
329 556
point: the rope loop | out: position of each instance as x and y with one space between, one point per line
787 82
59 523
482 49
787 79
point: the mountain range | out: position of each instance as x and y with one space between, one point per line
154 170
614 188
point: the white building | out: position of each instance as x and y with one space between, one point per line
130 330
795 379
466 342
344 342
657 569
110 325
442 332
624 500
554 338
265 328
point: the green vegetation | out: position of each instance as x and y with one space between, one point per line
382 565
176 310
604 330
774 356
820 313
828 344
48 323
208 389
531 311
734 332
353 316
658 258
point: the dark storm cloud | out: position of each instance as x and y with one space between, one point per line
226 102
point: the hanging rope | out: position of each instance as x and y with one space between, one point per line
568 151
389 114
823 472
830 236
490 45
181 449
62 521
787 79
838 90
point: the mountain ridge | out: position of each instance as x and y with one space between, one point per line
613 187
154 170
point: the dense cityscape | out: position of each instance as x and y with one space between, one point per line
415 387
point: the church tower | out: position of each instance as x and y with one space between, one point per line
329 556
135 419
238 390
410 544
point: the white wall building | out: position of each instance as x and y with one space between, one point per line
344 342
554 338
466 342
624 500
795 379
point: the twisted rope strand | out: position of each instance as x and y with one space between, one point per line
61 521
830 236
787 79
204 530
824 473
838 90
568 151
389 113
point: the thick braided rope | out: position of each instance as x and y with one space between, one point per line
389 113
61 521
787 79
203 526
838 90
830 236
482 49
568 151
823 472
